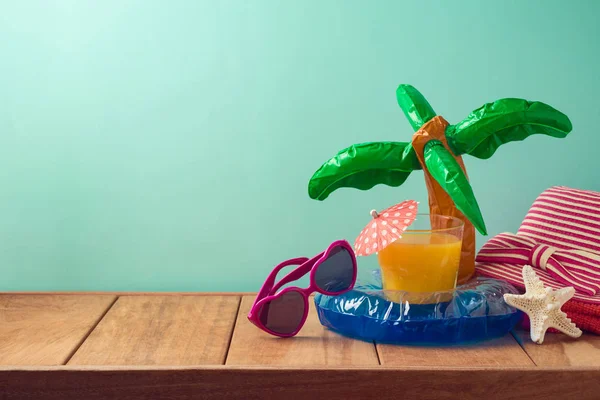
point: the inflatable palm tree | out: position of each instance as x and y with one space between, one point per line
436 148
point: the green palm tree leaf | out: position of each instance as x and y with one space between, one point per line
503 121
362 166
446 171
415 106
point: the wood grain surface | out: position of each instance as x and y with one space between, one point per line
162 330
502 352
314 345
46 329
315 384
561 350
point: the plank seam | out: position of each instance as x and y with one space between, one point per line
377 352
518 340
89 332
235 320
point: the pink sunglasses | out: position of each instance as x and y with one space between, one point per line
283 314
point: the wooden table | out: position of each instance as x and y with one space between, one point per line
195 346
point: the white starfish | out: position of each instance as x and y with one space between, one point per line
543 306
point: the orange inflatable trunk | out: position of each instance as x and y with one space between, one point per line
439 201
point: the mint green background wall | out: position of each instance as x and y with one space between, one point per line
167 145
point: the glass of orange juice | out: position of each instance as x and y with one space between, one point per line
425 259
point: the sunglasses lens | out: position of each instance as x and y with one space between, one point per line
284 314
335 274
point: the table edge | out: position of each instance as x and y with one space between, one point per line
279 368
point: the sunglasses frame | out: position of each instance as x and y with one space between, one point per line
269 290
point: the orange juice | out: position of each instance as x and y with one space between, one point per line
421 262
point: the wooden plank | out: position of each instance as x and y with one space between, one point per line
46 330
162 330
314 345
226 383
501 352
561 350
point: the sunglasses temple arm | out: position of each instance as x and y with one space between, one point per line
268 285
296 274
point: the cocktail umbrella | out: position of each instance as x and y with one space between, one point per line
386 227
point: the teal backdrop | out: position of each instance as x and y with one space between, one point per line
150 145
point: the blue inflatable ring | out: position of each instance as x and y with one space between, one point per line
472 312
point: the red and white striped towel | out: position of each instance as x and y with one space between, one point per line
560 236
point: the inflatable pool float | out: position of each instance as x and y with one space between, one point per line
474 311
